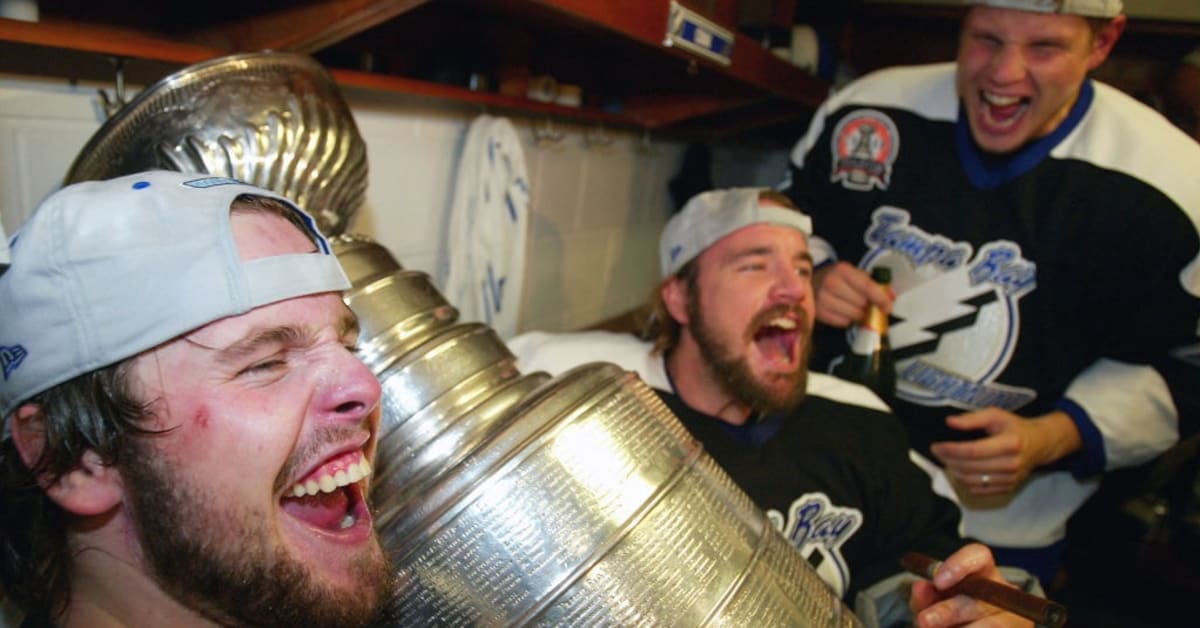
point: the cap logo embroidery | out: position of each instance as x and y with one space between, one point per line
211 182
865 144
11 358
675 250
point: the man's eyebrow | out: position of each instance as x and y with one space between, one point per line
253 343
282 335
755 251
1049 40
741 254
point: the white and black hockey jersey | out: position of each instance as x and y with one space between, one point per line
837 481
834 475
1064 276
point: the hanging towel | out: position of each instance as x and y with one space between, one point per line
5 259
484 252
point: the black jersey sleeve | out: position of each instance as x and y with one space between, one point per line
909 515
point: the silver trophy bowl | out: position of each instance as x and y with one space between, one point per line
275 120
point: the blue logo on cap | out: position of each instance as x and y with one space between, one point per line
11 358
675 251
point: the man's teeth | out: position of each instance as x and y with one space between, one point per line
1000 101
783 323
329 483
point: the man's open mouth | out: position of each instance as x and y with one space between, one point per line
1002 112
331 497
776 340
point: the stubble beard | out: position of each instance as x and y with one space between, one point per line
784 392
220 563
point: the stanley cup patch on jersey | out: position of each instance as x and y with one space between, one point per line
955 322
865 144
818 528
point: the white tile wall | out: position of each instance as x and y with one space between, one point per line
43 124
598 196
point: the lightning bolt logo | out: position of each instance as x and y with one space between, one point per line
955 320
922 313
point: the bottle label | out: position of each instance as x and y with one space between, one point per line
875 321
866 341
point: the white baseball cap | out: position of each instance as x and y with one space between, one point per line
1086 8
104 270
710 216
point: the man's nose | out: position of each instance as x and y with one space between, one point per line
349 390
1008 65
789 286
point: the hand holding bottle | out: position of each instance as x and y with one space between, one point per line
869 360
844 292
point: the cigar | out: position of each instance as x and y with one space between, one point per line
1043 612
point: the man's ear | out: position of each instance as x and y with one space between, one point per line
1105 39
674 293
91 488
29 433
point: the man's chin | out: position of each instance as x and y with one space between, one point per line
998 140
775 391
351 585
335 556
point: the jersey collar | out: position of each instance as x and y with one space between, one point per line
990 171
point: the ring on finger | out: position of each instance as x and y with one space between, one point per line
985 479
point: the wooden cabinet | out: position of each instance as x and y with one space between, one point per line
476 52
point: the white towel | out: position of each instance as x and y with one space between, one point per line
5 257
555 353
484 254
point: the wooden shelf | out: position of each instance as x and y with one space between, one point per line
612 49
107 40
400 85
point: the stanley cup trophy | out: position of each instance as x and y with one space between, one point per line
508 499
502 498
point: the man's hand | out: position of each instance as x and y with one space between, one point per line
843 293
1000 462
931 608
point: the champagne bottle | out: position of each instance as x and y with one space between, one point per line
869 360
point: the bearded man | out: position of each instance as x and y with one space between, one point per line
731 323
188 434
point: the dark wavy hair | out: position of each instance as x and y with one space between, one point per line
659 326
98 411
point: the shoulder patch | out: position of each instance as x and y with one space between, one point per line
865 144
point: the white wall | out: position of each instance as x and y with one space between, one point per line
597 209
